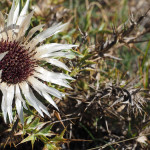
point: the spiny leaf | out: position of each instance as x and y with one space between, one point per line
29 120
59 138
51 147
29 138
34 124
46 130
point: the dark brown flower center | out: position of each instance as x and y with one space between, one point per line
18 64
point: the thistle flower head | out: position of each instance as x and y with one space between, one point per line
20 59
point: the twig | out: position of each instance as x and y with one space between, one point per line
113 143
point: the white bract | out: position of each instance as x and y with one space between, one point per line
20 58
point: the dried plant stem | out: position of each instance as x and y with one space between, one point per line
113 143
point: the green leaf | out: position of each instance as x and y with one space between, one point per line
34 124
46 129
59 138
44 139
51 147
29 120
77 53
86 57
75 71
29 138
89 62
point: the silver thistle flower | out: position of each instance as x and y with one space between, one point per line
20 63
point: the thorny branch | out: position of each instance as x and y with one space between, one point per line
122 35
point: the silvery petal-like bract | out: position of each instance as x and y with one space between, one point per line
20 57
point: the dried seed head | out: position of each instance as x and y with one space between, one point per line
18 63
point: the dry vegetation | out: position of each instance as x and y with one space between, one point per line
108 106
